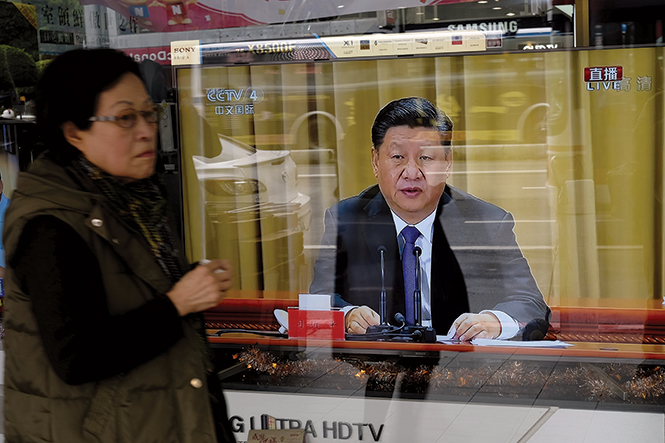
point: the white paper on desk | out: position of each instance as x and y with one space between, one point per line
520 344
447 339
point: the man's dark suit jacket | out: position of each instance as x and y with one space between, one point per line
480 234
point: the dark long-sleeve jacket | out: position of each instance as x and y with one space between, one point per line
94 351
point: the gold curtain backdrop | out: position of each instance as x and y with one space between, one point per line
580 170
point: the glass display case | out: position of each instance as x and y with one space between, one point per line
567 141
557 124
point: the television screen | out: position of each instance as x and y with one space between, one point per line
566 144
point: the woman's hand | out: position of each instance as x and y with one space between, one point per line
203 287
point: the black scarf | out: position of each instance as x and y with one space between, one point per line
142 205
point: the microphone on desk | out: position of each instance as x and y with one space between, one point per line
417 294
418 332
383 307
401 333
380 332
383 327
536 329
385 331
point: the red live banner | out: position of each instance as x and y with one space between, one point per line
603 73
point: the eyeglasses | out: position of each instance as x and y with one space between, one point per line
128 118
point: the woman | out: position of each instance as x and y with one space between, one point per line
104 341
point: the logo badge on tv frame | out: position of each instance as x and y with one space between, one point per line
603 78
186 52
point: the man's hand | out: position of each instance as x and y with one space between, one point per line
470 326
359 319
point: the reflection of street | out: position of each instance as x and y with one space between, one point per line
518 185
319 181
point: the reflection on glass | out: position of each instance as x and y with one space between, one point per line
531 136
473 276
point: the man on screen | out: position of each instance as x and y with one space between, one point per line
474 276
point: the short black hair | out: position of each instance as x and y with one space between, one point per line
412 112
69 90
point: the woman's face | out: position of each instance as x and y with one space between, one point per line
127 153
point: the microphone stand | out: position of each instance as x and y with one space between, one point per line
425 334
384 326
385 331
383 312
417 295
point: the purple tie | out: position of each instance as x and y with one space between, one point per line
410 235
